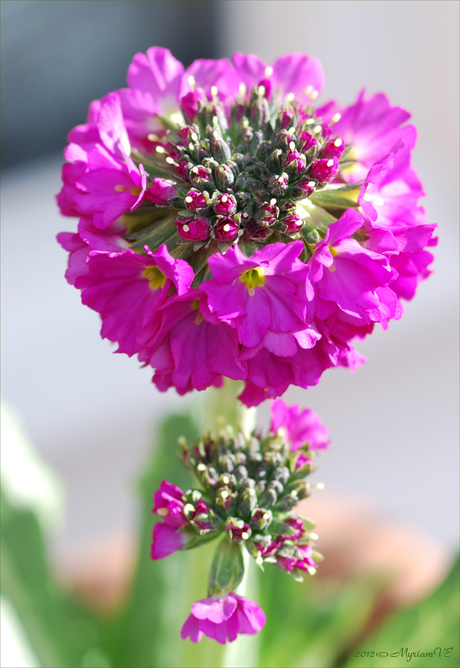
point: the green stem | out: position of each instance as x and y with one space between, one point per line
222 405
244 651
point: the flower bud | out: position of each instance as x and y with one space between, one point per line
195 201
269 497
226 230
221 150
248 501
293 223
224 177
307 141
295 163
286 118
237 530
303 189
200 176
261 518
191 104
275 160
267 85
324 170
160 192
193 229
333 149
224 204
278 184
267 214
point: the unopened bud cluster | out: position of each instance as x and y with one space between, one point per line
248 488
238 178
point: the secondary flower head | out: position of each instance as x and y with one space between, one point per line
294 227
247 488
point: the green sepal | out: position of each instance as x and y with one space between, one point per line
331 199
316 216
163 232
227 568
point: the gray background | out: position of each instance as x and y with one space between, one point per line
91 414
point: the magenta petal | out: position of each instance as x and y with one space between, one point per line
159 74
191 629
166 540
295 72
215 609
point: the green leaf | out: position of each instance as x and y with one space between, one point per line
60 629
147 632
431 624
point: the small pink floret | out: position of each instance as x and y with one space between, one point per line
223 618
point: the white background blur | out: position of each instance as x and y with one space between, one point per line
393 423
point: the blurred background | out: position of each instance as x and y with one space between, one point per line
91 414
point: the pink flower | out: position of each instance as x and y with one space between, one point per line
124 286
178 327
257 295
348 277
373 128
292 73
169 505
301 426
166 540
100 185
223 618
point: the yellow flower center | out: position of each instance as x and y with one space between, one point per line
253 278
196 307
155 277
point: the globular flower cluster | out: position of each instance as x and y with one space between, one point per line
248 489
231 228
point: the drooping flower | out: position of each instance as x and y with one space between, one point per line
300 224
223 618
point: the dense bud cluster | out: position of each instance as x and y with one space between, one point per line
248 488
240 178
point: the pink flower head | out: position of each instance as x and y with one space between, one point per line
223 618
240 147
301 427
